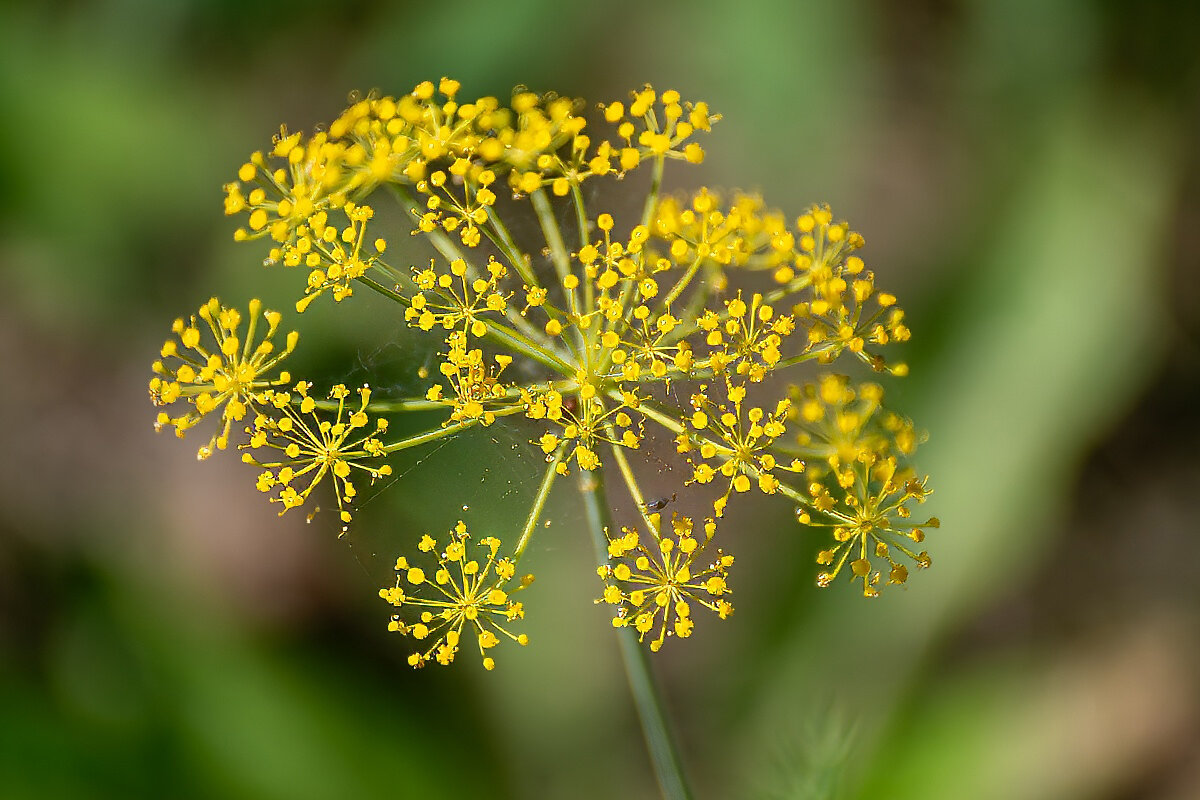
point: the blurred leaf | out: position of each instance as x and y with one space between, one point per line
1058 725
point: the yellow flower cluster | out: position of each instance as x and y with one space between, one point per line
848 438
463 593
591 423
654 584
841 424
427 139
335 258
872 520
588 337
453 301
737 441
225 375
310 448
744 236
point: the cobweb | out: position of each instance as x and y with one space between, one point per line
485 476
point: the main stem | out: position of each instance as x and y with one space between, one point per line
664 754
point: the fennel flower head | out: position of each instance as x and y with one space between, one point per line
707 322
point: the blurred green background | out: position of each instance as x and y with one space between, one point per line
1027 177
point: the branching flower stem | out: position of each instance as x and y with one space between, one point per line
383 290
605 338
559 254
389 406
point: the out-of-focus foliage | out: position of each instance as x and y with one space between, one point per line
1029 169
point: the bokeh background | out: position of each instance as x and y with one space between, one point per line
1027 176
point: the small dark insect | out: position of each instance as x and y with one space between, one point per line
659 504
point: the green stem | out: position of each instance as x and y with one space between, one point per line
388 272
682 283
559 254
589 299
508 247
507 336
635 491
441 433
539 502
391 406
646 697
800 358
656 176
386 292
805 502
400 405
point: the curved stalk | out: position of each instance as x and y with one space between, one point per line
397 406
589 298
656 176
635 491
504 241
560 256
441 433
539 502
386 292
